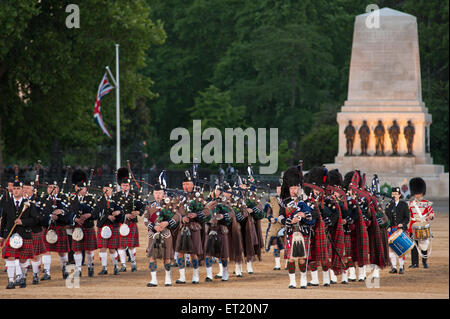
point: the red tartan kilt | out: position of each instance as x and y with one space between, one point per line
312 248
348 245
329 247
287 246
88 243
112 242
38 243
132 240
24 252
62 244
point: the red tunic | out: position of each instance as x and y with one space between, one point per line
425 212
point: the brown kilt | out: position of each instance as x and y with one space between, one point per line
112 242
132 240
168 247
62 244
38 243
24 252
88 243
224 240
196 240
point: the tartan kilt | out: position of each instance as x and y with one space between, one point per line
62 244
312 248
89 241
287 246
112 242
38 243
348 245
24 252
132 240
329 247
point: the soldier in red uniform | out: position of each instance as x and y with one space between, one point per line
421 210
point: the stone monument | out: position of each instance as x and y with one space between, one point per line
385 85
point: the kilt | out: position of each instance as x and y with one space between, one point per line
38 243
329 247
348 246
88 243
24 252
132 240
62 244
112 242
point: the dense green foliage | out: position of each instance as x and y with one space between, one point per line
231 63
286 62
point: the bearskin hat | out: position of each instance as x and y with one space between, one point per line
291 177
347 179
334 178
318 176
123 175
417 186
79 178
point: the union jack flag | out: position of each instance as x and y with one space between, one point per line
104 88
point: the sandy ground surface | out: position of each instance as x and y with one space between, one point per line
264 283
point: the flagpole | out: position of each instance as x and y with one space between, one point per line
117 110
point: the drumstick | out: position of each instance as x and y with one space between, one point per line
25 206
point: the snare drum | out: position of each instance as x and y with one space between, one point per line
421 231
400 243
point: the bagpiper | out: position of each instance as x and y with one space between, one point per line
299 223
84 237
276 225
54 217
110 216
30 193
132 208
161 217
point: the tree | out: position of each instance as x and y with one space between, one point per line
50 74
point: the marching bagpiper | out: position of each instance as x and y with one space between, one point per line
299 223
54 217
275 230
18 218
84 237
189 239
37 233
161 217
110 216
422 213
132 207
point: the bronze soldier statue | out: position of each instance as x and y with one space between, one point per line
394 132
364 133
409 132
350 133
379 138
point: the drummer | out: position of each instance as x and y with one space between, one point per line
421 210
398 213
